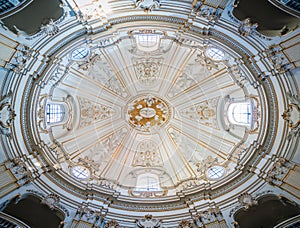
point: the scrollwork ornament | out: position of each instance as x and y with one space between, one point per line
149 222
112 224
51 200
7 115
247 201
278 171
292 116
247 28
89 215
185 224
50 29
207 12
147 5
209 216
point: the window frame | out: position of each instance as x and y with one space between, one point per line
232 115
83 57
84 170
216 175
147 41
48 112
212 51
154 186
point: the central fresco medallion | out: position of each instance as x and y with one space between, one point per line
147 113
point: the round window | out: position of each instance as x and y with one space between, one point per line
215 172
80 53
215 54
81 172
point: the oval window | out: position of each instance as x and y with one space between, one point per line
80 53
215 172
81 172
215 54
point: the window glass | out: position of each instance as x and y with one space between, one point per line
54 113
147 182
240 113
215 53
147 40
215 172
80 172
80 53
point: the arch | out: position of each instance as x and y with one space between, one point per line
29 209
270 211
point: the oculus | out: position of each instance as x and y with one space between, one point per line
80 172
215 172
215 54
80 53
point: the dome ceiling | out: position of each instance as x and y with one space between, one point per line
134 112
140 110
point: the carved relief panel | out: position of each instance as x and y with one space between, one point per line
91 112
204 112
147 155
147 70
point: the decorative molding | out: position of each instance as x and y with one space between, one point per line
19 169
100 71
238 75
208 217
279 60
147 5
86 64
147 194
91 112
278 171
147 70
112 224
205 164
207 62
147 155
20 58
247 28
246 201
51 200
90 216
185 224
149 222
292 115
204 112
7 115
50 29
208 12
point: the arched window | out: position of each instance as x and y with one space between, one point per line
80 53
147 182
54 113
81 172
240 113
147 41
215 54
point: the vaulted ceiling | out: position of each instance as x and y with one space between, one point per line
134 107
